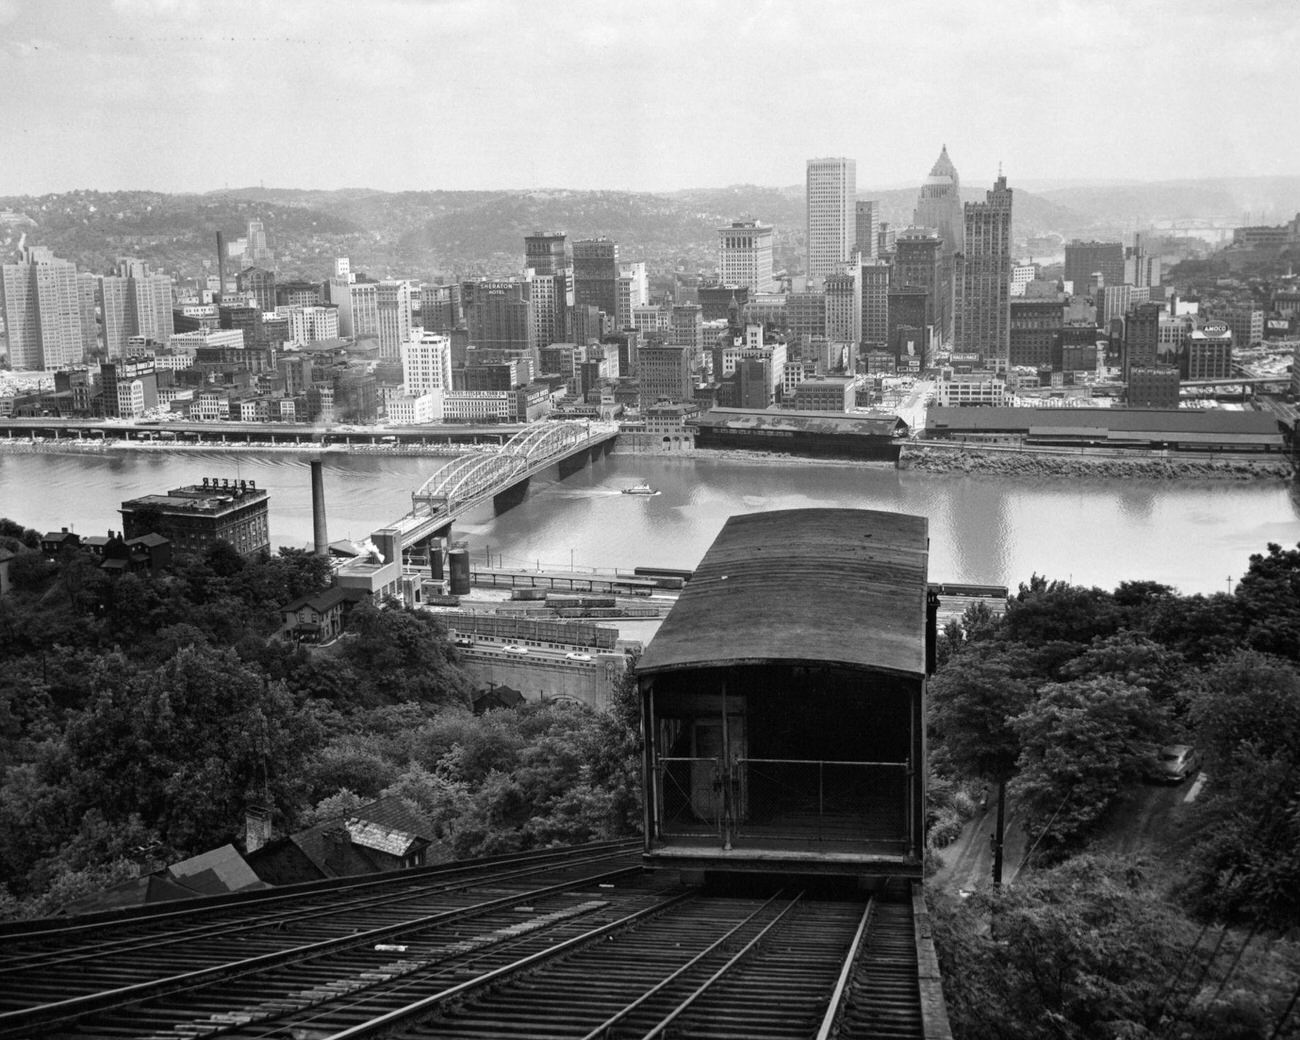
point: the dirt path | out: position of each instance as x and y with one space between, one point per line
1149 820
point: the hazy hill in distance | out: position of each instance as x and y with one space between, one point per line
426 234
1264 200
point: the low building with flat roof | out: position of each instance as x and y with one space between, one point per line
1182 429
196 516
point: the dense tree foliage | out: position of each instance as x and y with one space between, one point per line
1090 949
1069 694
139 716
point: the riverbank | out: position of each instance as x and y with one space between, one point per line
1010 462
915 457
99 447
755 458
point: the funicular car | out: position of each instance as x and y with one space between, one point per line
783 700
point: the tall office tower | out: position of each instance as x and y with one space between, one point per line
256 251
426 363
440 309
664 374
939 205
844 305
115 313
1142 337
393 309
686 329
499 316
259 283
365 309
548 255
633 292
1083 260
982 320
918 261
547 295
805 316
548 252
1139 268
745 255
874 275
832 185
867 218
87 285
42 311
595 274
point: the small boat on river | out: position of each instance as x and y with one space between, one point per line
640 489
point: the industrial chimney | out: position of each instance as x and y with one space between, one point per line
318 508
221 266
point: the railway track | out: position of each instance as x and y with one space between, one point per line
581 946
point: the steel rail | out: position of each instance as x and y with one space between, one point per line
264 922
401 1015
19 931
603 1029
20 1023
834 1008
744 951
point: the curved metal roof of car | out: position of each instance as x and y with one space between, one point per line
845 586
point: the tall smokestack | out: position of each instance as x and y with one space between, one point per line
221 266
318 507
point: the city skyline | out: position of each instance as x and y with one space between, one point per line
157 94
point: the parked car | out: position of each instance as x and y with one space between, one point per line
1173 764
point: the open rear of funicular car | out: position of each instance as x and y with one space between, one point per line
783 701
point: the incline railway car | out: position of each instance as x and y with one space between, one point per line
783 700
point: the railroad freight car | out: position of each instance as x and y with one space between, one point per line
783 700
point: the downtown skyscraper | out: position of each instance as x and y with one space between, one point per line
41 302
832 219
939 207
982 322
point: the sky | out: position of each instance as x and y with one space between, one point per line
198 95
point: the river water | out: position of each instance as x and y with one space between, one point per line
1195 535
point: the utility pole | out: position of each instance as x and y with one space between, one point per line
999 834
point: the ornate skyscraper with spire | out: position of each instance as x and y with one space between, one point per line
939 206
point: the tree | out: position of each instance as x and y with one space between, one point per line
1089 950
404 655
1081 742
1246 718
1269 597
187 744
1045 611
24 536
1139 661
972 703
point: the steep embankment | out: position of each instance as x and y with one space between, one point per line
1016 463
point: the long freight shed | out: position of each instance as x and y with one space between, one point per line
826 434
1168 429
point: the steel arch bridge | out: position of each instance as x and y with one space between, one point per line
473 476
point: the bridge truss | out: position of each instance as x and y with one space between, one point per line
474 476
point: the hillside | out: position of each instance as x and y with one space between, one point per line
464 233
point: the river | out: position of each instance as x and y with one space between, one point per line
1195 536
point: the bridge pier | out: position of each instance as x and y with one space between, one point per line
510 497
572 463
430 552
